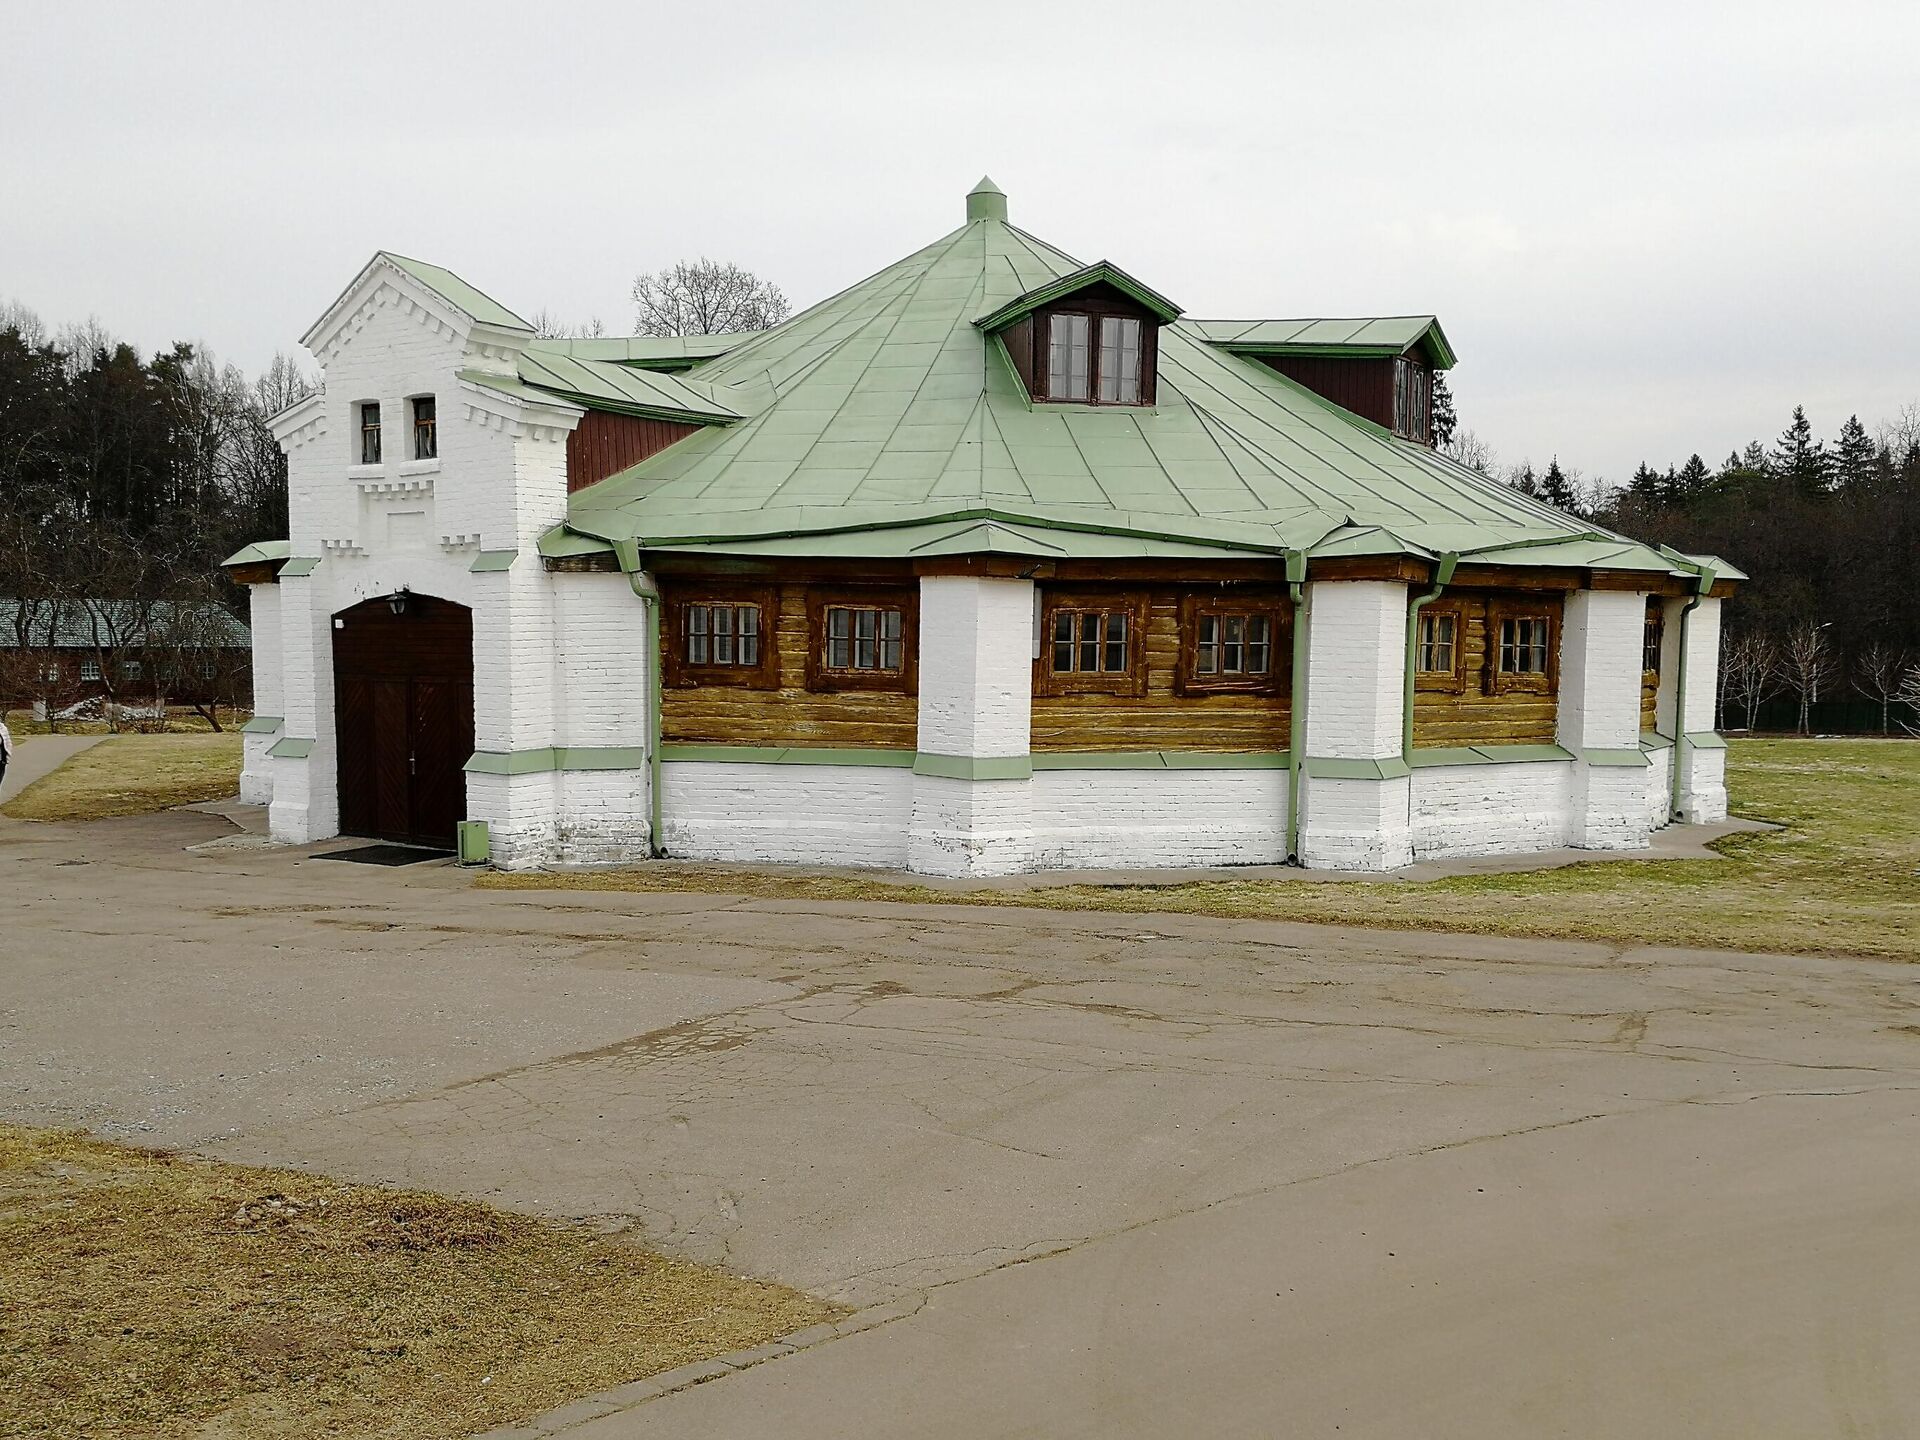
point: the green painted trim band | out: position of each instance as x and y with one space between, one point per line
1319 767
974 767
490 562
299 567
1705 740
556 757
1607 759
1654 740
291 749
262 725
1439 755
787 755
1161 760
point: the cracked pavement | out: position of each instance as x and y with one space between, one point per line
1153 1174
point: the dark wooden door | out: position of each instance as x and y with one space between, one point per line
403 686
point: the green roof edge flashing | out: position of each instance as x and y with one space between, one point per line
1100 272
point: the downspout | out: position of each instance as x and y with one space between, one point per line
1297 704
1442 577
1701 585
643 585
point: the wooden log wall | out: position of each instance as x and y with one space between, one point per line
1162 718
790 714
1475 717
1650 679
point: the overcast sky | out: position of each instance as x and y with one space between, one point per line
1647 228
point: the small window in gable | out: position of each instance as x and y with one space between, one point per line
1094 358
370 432
1119 360
1069 357
426 443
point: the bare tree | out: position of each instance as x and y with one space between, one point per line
1910 697
1465 447
705 297
1749 672
549 326
1878 675
1807 661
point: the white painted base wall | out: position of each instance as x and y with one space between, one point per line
1119 819
786 814
1489 809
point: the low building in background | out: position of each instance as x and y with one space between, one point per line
60 654
991 562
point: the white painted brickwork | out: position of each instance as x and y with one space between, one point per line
1356 675
263 619
1356 824
1487 809
789 814
971 827
976 665
1095 819
1600 670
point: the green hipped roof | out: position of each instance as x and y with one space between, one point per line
458 293
883 421
1360 338
259 552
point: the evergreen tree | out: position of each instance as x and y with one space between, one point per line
1693 481
1557 490
1647 485
1754 458
1855 462
1444 420
1525 481
1801 458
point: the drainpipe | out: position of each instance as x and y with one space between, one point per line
1701 585
643 585
1297 705
1442 576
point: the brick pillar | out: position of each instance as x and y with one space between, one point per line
1354 804
269 705
306 795
1599 718
973 774
1698 749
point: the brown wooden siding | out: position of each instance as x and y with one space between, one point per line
1474 716
604 444
1162 718
1363 386
788 713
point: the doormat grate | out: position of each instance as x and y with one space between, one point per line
386 855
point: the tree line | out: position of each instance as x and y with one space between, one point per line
1829 534
127 479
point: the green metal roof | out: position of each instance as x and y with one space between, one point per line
648 352
610 385
1360 338
886 412
459 294
259 552
1101 272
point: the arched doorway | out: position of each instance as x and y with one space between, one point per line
403 717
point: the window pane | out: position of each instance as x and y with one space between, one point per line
1119 360
723 635
1116 656
747 623
1207 660
1089 643
1063 643
866 650
697 616
1068 357
1233 650
891 646
1258 644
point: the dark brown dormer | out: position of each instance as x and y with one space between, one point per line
1090 338
1381 370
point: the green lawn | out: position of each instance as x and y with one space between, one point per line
1840 879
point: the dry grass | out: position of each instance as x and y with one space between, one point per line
1842 878
134 775
149 1294
180 720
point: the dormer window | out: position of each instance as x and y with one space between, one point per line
1089 338
370 432
426 445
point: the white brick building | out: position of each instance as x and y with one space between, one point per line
990 563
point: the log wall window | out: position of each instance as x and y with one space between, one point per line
719 638
1441 649
1091 644
1521 655
861 639
1232 643
370 432
722 634
426 443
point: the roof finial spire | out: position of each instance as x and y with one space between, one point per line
986 201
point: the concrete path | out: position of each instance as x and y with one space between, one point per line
38 755
1133 1174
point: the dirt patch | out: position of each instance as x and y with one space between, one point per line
151 1294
